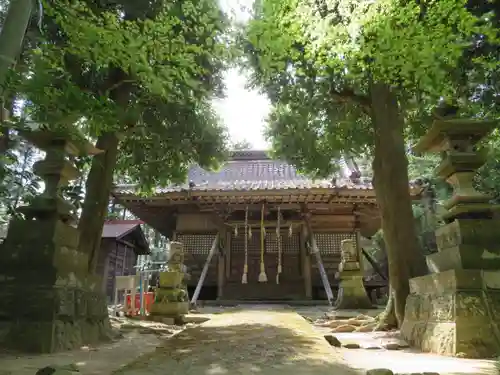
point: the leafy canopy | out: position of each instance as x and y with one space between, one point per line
146 71
315 60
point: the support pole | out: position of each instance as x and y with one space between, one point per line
197 291
321 267
306 264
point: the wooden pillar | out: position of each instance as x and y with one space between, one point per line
221 266
228 252
105 272
305 261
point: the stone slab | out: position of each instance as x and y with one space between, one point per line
371 340
452 280
194 318
463 257
466 232
454 313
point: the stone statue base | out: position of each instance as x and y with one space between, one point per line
455 313
352 293
49 302
170 309
171 298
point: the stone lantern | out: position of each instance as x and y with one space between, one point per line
352 294
50 302
171 300
454 310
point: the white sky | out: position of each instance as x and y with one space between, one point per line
243 111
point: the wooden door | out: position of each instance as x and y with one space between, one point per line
289 282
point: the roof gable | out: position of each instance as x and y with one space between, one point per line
255 170
119 229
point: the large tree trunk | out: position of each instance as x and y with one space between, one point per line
391 184
100 179
97 190
12 36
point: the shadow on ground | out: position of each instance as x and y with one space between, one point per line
259 348
241 349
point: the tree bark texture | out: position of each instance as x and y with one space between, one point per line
100 179
12 36
97 190
391 184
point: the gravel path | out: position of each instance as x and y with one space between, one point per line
245 342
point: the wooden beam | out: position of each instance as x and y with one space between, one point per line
255 223
321 268
288 203
126 243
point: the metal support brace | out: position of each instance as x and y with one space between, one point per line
197 291
321 267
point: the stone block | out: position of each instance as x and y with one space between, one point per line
32 246
454 313
96 306
352 294
438 283
170 308
463 257
169 279
81 302
350 266
482 234
54 336
171 295
65 302
51 319
345 274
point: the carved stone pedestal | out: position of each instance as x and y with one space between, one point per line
352 293
171 297
455 310
49 302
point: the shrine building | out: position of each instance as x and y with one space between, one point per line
260 214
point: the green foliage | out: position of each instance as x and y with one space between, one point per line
315 59
488 178
145 71
19 184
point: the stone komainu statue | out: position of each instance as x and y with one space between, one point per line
349 256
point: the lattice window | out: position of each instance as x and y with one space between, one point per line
196 244
288 244
238 242
291 244
329 243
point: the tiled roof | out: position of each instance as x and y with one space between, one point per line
117 229
254 170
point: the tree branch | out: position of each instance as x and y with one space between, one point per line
348 95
